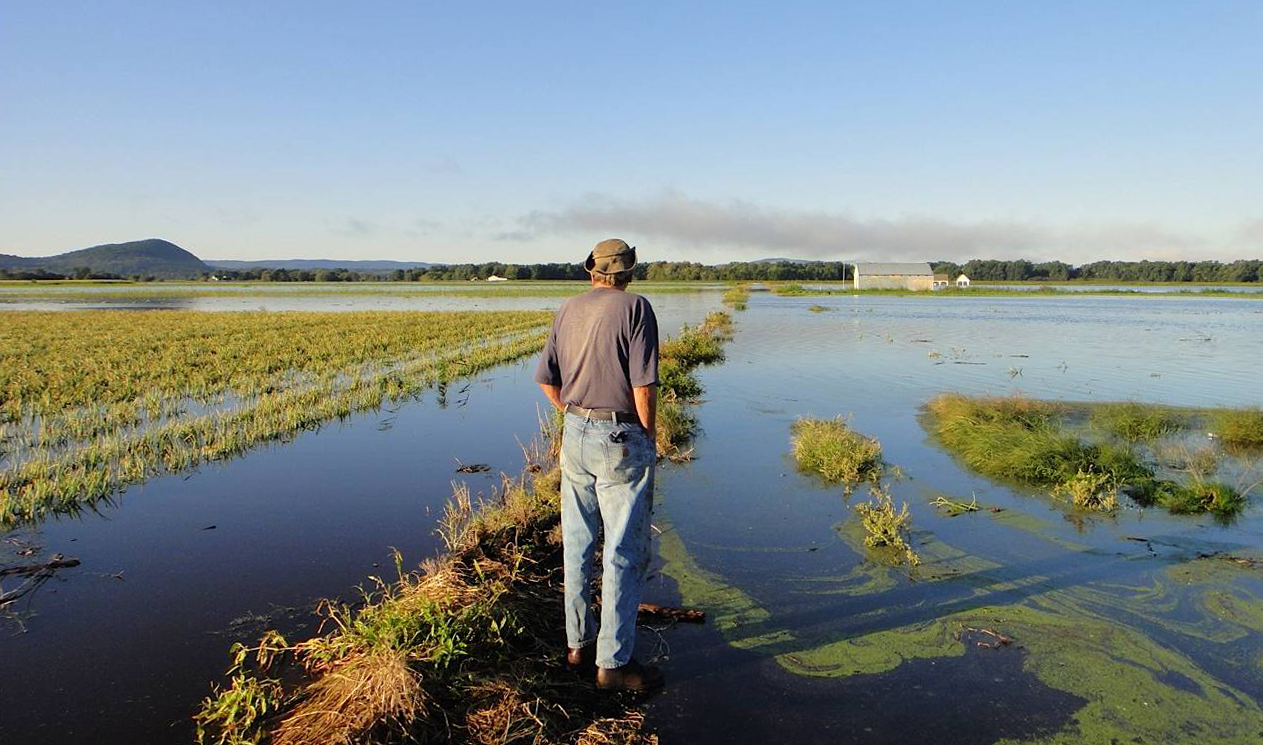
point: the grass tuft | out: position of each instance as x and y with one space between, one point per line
1095 492
737 297
832 449
1135 422
1239 428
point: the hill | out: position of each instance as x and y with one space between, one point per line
151 257
357 266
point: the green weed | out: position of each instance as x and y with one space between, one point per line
887 528
1239 428
1136 422
832 449
1022 440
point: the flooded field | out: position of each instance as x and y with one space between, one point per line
1131 626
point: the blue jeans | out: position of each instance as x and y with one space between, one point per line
605 483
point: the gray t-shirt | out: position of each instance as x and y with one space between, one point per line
603 343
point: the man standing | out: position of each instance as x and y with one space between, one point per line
601 366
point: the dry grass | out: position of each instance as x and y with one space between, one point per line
372 692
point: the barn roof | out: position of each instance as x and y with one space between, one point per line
909 268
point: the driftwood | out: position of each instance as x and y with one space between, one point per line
35 576
651 612
26 570
991 640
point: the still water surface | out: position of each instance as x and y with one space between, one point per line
121 648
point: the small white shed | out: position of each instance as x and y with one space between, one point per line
962 281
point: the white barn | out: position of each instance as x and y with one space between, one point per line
913 276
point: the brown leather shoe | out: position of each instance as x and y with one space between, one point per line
582 659
630 677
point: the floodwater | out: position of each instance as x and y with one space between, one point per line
1113 620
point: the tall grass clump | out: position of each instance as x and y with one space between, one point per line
832 449
737 297
1022 440
1239 428
1135 422
888 528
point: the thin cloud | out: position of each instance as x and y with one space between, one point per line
748 229
355 227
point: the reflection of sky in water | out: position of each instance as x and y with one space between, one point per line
745 513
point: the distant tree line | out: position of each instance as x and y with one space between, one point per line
82 272
1114 271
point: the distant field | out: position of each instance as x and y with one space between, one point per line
95 400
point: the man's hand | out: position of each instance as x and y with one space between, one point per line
647 409
553 392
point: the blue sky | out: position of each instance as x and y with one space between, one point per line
528 131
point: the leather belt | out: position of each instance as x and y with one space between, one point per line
608 415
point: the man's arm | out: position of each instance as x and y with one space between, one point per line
647 408
553 392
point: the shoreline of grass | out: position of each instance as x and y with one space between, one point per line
467 648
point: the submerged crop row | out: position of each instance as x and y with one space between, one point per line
463 650
96 401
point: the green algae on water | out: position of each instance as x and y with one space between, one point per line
741 620
1136 690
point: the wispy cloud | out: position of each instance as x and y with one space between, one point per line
355 227
748 229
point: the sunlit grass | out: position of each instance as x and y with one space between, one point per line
1136 422
832 449
1241 428
886 528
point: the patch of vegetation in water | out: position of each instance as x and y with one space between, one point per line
1239 428
887 529
737 297
837 453
1026 441
938 560
1135 422
1136 690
